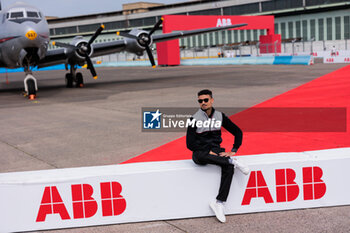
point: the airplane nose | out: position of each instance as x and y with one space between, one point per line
31 35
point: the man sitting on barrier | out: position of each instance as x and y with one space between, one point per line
204 139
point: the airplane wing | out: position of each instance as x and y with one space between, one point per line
59 56
179 34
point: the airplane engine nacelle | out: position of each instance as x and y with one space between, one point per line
82 49
137 46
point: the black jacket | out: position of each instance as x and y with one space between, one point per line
210 138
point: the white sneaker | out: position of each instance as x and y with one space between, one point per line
218 209
241 166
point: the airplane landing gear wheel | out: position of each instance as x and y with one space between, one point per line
69 80
80 80
31 89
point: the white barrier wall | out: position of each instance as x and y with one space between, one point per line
75 197
334 56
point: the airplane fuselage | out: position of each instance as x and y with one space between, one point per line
24 36
24 39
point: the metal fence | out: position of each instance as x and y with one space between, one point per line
290 48
243 49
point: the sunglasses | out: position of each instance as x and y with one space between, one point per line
206 100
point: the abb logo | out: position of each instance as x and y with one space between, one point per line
84 205
334 53
286 188
330 60
223 22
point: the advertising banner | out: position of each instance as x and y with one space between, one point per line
77 197
336 56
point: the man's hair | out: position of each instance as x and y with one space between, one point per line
205 92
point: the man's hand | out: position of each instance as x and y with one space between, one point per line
227 154
212 153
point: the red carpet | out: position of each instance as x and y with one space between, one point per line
321 106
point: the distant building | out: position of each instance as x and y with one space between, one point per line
319 20
51 17
138 7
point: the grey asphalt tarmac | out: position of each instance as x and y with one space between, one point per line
100 124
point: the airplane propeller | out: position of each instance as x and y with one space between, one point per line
84 49
144 39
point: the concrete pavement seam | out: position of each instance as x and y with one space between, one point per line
175 226
30 155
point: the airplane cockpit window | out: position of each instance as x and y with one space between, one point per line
32 14
16 15
21 15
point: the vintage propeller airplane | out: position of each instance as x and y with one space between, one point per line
24 40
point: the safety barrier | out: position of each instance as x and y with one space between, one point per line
301 60
265 60
75 197
55 67
292 60
282 60
262 60
124 64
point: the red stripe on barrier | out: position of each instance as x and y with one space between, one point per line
328 91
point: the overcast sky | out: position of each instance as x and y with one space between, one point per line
63 8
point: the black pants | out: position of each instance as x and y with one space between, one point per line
227 170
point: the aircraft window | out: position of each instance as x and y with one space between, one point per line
32 14
15 15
